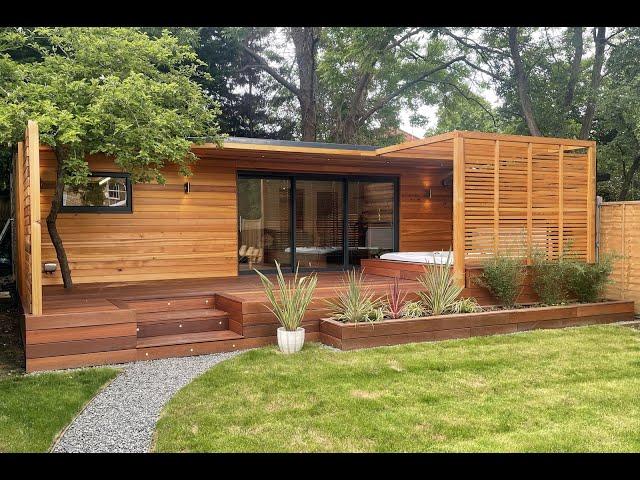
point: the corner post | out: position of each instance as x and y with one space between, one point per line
33 135
591 204
458 209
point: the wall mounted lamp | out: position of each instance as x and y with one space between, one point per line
187 187
427 193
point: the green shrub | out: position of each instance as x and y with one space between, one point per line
549 278
355 302
466 305
413 310
292 299
441 290
503 275
586 281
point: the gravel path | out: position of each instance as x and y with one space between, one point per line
122 417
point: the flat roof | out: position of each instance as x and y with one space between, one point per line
295 143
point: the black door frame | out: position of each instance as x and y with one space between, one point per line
345 179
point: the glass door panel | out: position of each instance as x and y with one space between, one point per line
370 222
264 213
319 223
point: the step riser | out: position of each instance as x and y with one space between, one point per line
171 304
178 327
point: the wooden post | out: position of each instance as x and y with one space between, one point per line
529 202
36 234
591 204
458 208
496 198
561 200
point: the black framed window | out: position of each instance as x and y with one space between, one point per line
316 221
105 192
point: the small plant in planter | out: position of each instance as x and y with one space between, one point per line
549 278
289 305
414 310
396 301
586 281
441 290
503 275
356 302
466 305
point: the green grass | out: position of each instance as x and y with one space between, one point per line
551 390
35 408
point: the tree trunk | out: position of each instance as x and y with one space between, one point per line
522 83
305 41
600 38
628 179
56 203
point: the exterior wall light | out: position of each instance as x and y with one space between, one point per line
187 187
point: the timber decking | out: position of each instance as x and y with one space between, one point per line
119 322
113 323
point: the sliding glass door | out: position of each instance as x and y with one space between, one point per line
264 229
314 221
371 219
319 223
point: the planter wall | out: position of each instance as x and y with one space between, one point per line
349 336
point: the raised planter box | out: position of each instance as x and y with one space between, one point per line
349 336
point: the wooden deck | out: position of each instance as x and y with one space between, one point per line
103 323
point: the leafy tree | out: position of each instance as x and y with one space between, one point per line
617 126
351 82
548 83
251 104
116 91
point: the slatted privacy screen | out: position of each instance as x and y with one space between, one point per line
521 196
27 192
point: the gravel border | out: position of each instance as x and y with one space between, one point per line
122 416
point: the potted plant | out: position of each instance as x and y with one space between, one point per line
289 305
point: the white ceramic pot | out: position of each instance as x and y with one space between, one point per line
290 341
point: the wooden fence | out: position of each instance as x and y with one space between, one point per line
620 233
28 228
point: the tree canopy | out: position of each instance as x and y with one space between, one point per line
117 91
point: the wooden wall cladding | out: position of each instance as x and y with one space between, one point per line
171 234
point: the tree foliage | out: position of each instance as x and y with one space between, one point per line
117 91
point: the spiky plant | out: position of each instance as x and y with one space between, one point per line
440 289
292 297
414 310
355 302
396 300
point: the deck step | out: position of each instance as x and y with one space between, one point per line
164 340
181 315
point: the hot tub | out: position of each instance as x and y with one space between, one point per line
437 257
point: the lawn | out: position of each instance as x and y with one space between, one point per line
564 390
35 408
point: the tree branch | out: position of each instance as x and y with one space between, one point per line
575 66
388 98
600 38
262 63
522 83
